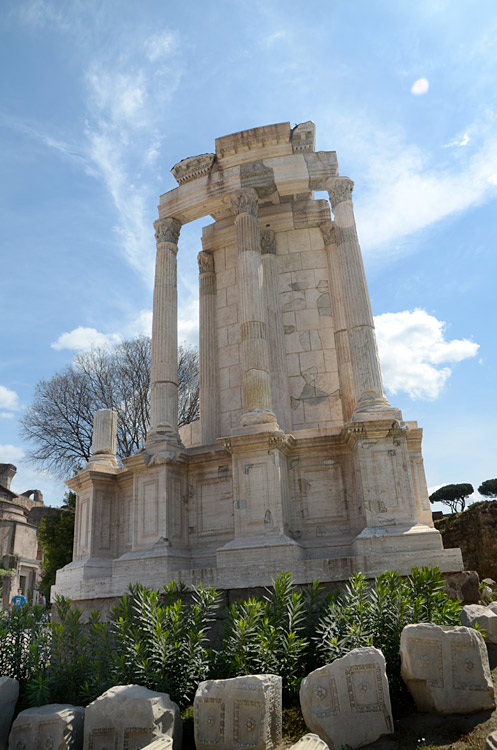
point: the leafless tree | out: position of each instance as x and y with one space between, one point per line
59 422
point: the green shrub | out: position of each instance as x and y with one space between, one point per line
271 634
23 643
161 641
375 615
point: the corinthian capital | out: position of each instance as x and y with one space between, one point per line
244 203
167 230
328 232
205 262
339 190
268 242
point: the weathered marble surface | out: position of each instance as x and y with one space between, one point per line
238 712
483 616
446 669
131 716
9 691
491 742
347 703
162 743
58 726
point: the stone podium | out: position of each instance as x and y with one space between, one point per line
298 461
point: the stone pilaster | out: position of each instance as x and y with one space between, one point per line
358 317
345 372
164 369
276 336
209 406
256 381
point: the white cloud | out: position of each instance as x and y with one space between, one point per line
9 454
160 45
9 400
82 338
407 191
142 325
412 347
188 323
420 87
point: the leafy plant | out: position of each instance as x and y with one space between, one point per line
364 615
161 641
271 634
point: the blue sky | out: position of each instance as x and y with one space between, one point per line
99 99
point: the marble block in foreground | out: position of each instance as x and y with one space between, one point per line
9 690
241 712
56 725
347 703
446 669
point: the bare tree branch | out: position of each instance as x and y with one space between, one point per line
59 422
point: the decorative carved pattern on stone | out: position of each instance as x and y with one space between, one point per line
347 703
268 242
205 262
446 669
167 230
193 167
303 137
339 190
50 727
244 203
311 742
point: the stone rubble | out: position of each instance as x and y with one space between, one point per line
131 716
56 725
446 669
347 703
238 712
485 617
310 742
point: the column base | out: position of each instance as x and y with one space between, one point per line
162 448
102 462
258 417
371 405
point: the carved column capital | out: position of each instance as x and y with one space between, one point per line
205 262
167 230
268 242
244 203
339 190
328 232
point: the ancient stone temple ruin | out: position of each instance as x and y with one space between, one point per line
298 461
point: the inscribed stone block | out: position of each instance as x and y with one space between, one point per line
238 712
446 669
347 703
484 617
58 726
9 690
130 717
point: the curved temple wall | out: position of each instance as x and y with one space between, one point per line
298 461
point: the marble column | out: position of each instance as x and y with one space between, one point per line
275 332
256 381
164 369
207 349
365 363
345 373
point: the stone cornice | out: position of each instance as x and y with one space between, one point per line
192 167
328 232
167 230
340 190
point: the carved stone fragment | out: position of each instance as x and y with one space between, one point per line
484 617
57 726
309 742
242 712
347 703
192 167
446 669
130 716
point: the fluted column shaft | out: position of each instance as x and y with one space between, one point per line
345 372
207 348
358 317
275 332
256 383
164 368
